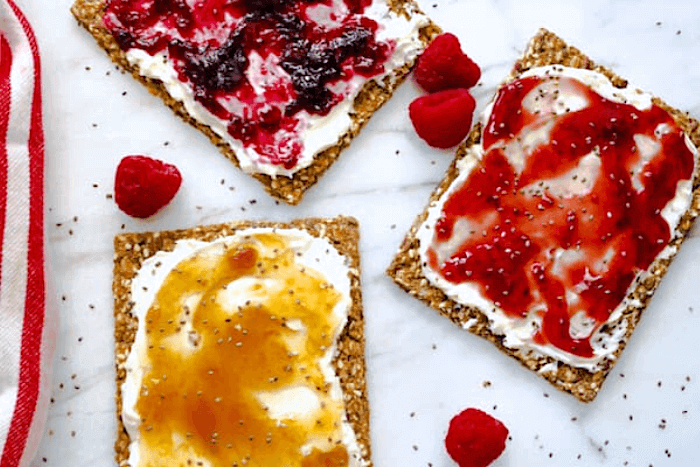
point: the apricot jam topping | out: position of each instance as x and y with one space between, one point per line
565 207
232 371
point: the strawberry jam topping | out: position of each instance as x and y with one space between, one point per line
257 64
565 207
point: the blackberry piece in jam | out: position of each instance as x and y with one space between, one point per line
255 5
220 69
311 67
268 5
352 42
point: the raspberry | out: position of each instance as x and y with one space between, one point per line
443 119
143 185
443 65
475 438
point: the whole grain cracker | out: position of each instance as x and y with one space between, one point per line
545 48
288 189
131 249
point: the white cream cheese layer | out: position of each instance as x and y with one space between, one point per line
317 132
517 332
285 403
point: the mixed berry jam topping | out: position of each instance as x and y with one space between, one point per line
565 207
257 64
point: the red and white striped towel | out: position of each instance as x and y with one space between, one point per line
27 333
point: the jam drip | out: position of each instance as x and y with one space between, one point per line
565 232
211 46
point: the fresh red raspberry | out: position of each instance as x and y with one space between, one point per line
475 438
443 65
143 185
443 119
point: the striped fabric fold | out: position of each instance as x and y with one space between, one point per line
27 336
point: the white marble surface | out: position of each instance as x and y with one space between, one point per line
422 369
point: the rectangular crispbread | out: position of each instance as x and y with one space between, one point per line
544 49
288 189
131 249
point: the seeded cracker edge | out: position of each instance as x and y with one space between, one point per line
131 249
545 48
290 190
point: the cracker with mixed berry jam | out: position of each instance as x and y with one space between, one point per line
281 88
558 218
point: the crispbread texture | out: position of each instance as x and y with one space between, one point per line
131 249
288 189
544 49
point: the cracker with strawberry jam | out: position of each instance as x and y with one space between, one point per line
558 217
